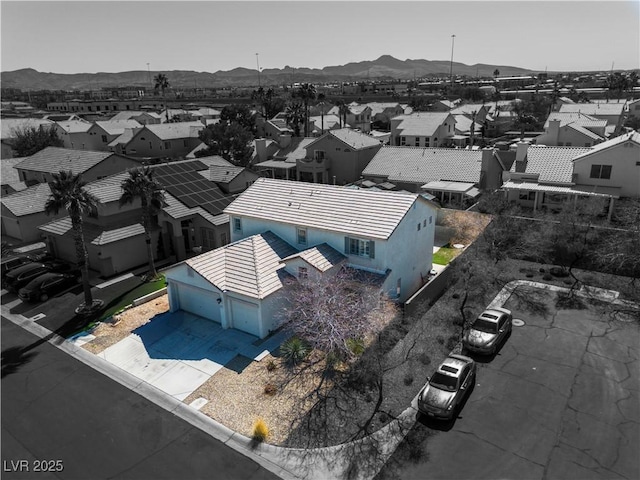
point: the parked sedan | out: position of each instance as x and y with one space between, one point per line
19 277
47 285
11 263
488 331
447 388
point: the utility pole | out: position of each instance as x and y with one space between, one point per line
453 37
149 72
258 64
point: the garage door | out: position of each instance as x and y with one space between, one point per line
245 316
198 301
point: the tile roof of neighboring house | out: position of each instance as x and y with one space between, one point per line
357 109
463 124
127 115
584 131
117 127
251 266
591 190
9 126
93 234
631 136
421 124
192 153
209 111
352 138
363 213
9 175
468 109
123 139
575 117
322 257
55 159
423 165
221 174
28 201
552 164
594 109
447 103
295 150
75 126
108 189
328 122
213 161
172 131
380 107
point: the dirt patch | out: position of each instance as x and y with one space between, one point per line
110 333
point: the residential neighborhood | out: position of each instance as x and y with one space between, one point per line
368 270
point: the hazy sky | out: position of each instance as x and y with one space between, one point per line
93 36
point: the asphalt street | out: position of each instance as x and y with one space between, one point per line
68 421
561 400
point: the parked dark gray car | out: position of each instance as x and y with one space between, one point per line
488 331
18 277
447 388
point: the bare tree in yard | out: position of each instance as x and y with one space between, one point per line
329 312
465 226
30 140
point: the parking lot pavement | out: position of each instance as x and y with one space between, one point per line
560 400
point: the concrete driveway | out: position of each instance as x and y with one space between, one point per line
177 352
559 401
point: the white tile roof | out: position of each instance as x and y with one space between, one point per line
251 266
594 109
576 118
631 136
117 127
28 201
422 165
552 164
54 159
421 124
356 140
94 234
590 190
221 174
75 126
172 131
8 174
322 257
584 131
9 126
296 150
363 213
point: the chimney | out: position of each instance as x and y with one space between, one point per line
261 149
554 131
521 152
284 140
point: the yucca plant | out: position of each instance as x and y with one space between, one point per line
294 350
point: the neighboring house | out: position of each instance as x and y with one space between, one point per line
9 127
230 179
444 105
423 129
143 118
75 134
383 112
263 150
41 166
101 134
371 228
23 213
633 108
285 160
172 140
471 110
545 177
337 157
10 177
274 129
319 124
358 116
191 221
613 113
454 176
568 129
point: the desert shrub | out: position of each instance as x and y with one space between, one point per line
440 339
270 389
558 272
271 366
260 430
567 281
294 350
355 346
547 277
424 357
408 379
529 275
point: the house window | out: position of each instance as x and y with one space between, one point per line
318 155
528 196
430 220
424 222
361 248
302 236
237 225
419 226
403 141
417 143
208 238
104 139
223 238
167 145
601 171
303 273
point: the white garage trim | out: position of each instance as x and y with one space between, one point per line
197 301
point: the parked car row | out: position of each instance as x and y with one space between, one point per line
39 278
453 380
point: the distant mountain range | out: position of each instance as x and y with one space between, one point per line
384 68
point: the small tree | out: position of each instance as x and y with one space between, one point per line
295 116
229 140
141 185
30 140
162 83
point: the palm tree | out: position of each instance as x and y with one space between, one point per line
162 83
306 93
141 185
343 111
68 193
295 116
